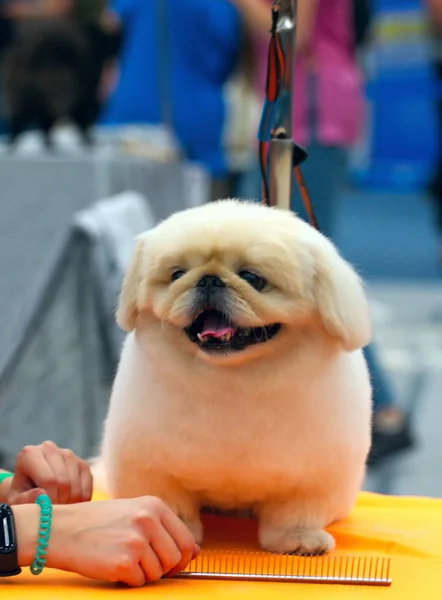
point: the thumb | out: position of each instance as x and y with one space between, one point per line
28 497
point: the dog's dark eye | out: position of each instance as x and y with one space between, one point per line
257 282
177 274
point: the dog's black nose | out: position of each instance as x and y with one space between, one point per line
210 281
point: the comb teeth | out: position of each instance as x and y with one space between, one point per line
262 566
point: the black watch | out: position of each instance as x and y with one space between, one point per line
8 543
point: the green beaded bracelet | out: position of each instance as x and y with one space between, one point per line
5 476
44 534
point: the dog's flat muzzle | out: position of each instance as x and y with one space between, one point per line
209 282
210 292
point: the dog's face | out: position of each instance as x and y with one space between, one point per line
235 277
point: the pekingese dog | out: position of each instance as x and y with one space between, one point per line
242 384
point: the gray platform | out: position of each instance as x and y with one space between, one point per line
52 380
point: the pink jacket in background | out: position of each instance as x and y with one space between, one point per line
339 92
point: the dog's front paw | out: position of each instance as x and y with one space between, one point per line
302 542
196 529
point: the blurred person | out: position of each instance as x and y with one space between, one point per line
104 28
83 11
327 117
18 10
131 541
5 38
57 65
177 58
434 13
13 13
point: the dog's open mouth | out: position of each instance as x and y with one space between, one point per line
214 332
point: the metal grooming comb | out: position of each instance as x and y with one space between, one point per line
262 566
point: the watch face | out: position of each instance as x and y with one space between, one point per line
8 543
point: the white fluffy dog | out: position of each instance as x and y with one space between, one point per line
242 384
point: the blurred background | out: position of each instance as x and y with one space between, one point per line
115 114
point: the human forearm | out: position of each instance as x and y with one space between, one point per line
27 518
306 21
435 11
257 17
256 14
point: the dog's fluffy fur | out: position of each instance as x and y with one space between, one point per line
281 427
51 71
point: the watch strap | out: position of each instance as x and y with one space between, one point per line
8 543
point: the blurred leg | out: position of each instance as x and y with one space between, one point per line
382 392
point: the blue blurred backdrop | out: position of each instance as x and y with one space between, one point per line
400 145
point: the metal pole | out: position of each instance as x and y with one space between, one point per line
281 144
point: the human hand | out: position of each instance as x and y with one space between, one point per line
131 541
48 469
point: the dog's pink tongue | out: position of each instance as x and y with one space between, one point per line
216 327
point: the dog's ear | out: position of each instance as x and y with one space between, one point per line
131 296
340 299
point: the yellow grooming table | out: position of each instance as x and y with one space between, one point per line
409 530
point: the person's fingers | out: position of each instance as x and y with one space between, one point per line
60 490
182 537
72 465
28 497
87 481
151 564
132 575
32 470
166 549
182 564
